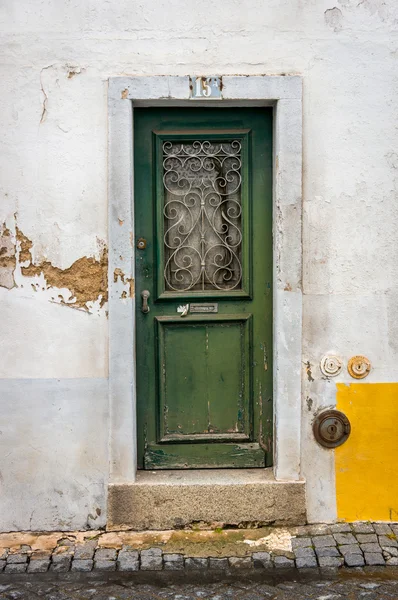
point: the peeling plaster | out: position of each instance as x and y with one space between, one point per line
333 18
119 276
8 259
83 285
73 70
86 279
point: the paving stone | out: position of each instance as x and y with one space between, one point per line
240 562
322 541
354 560
371 548
39 565
151 559
306 552
321 529
4 553
60 563
82 564
217 563
128 560
283 562
173 562
386 541
262 560
382 529
16 568
329 551
340 528
66 542
344 538
306 562
390 551
85 551
64 551
105 554
41 555
394 527
374 558
105 565
350 549
362 527
392 562
330 561
366 538
2 565
17 559
128 553
196 563
301 542
302 530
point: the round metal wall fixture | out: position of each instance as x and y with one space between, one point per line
331 366
141 244
358 367
331 428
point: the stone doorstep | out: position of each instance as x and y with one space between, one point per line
176 500
308 546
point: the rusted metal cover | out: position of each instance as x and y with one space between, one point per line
358 367
141 244
331 428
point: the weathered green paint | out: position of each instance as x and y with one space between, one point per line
204 382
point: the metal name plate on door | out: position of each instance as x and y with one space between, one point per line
204 307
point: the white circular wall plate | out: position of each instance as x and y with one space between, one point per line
331 365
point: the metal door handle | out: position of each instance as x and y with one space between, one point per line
145 295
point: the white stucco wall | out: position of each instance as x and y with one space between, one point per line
56 60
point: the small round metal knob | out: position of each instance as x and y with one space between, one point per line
331 428
141 244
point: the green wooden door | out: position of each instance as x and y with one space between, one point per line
203 188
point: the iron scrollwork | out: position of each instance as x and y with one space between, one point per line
202 215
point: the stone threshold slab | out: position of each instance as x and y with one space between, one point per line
207 497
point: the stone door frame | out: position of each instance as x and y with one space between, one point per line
284 94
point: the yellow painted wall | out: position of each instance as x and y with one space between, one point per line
367 464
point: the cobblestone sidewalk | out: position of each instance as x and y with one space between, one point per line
325 546
362 584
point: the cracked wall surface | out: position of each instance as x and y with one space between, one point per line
56 62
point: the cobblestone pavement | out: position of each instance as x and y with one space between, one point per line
312 546
351 584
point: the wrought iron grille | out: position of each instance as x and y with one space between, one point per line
202 215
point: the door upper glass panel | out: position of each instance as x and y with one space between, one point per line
202 211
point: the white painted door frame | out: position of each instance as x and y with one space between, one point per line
284 93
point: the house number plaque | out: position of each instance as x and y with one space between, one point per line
205 88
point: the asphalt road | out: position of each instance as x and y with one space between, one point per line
363 584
